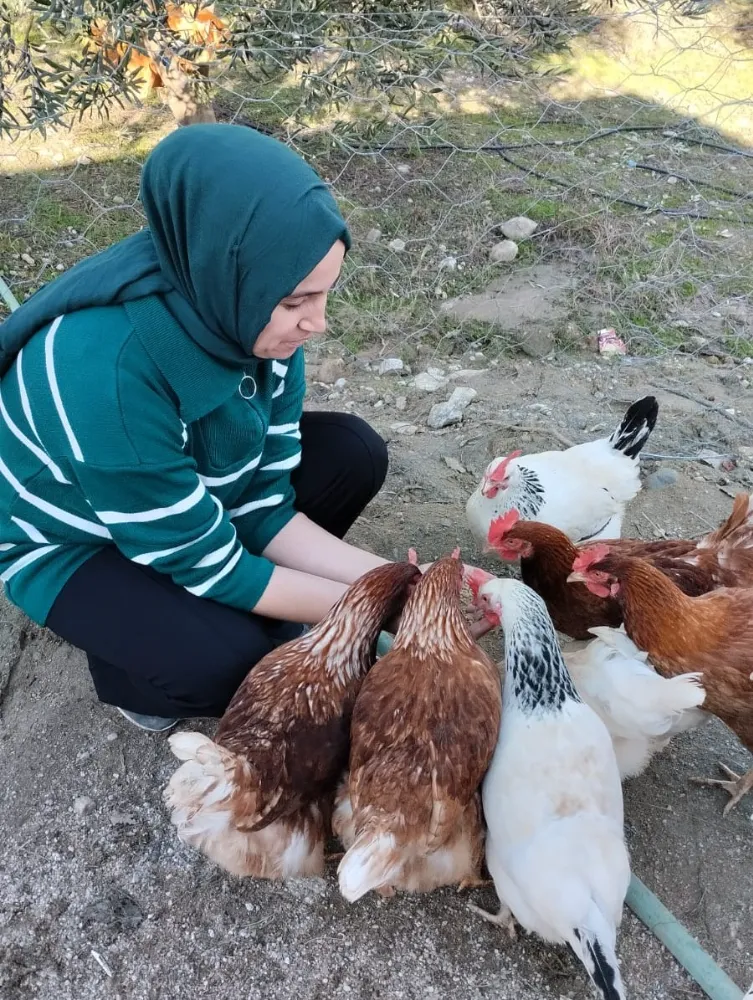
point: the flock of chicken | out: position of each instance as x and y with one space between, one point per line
423 766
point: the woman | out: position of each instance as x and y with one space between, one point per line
165 504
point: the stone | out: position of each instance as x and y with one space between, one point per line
504 252
82 804
429 383
397 245
451 411
536 343
519 228
448 263
374 235
661 479
401 403
341 383
331 370
452 463
404 428
116 910
391 366
28 259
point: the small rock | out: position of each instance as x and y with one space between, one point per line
672 180
519 228
428 383
82 804
341 383
379 404
118 818
391 366
435 372
331 370
117 910
451 411
448 264
504 252
403 169
452 463
404 428
28 259
374 235
60 267
111 737
537 343
118 200
401 403
397 245
660 479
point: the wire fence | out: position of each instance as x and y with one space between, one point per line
605 185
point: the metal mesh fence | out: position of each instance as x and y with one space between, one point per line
628 150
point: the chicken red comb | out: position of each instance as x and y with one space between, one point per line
500 526
476 578
413 557
587 557
500 471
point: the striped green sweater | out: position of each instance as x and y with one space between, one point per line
112 437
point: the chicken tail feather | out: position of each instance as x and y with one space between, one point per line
373 862
635 427
595 949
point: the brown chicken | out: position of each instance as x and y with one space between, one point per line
423 732
257 800
723 558
711 634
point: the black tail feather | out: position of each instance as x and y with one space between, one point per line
605 976
636 425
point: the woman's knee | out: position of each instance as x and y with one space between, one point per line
350 447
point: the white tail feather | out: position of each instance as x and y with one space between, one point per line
371 863
594 945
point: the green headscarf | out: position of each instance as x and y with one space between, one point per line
236 221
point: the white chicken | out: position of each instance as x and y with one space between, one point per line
641 709
582 491
552 798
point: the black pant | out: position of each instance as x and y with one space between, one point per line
156 649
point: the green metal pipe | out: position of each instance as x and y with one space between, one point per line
7 295
650 910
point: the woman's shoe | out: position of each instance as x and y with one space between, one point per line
151 723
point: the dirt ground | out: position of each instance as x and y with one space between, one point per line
90 866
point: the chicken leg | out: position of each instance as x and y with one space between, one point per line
738 785
474 882
503 918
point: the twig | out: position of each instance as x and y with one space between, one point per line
693 180
707 406
654 457
101 963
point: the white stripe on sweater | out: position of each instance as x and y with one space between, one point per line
34 533
147 558
285 463
25 404
279 390
49 508
38 452
218 556
6 546
231 476
24 561
283 428
200 589
156 513
49 344
279 369
272 501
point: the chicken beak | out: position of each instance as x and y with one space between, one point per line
576 578
489 489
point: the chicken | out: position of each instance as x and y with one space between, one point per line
552 798
641 709
711 635
257 800
582 491
423 732
722 558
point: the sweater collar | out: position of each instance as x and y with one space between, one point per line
200 381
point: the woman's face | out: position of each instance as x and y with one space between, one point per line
302 315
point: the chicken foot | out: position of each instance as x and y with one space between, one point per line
738 785
474 882
503 918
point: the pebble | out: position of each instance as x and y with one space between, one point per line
374 235
111 737
404 428
427 382
60 267
519 228
403 169
391 366
82 804
27 258
448 264
401 403
451 411
504 252
118 200
341 383
397 245
660 479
